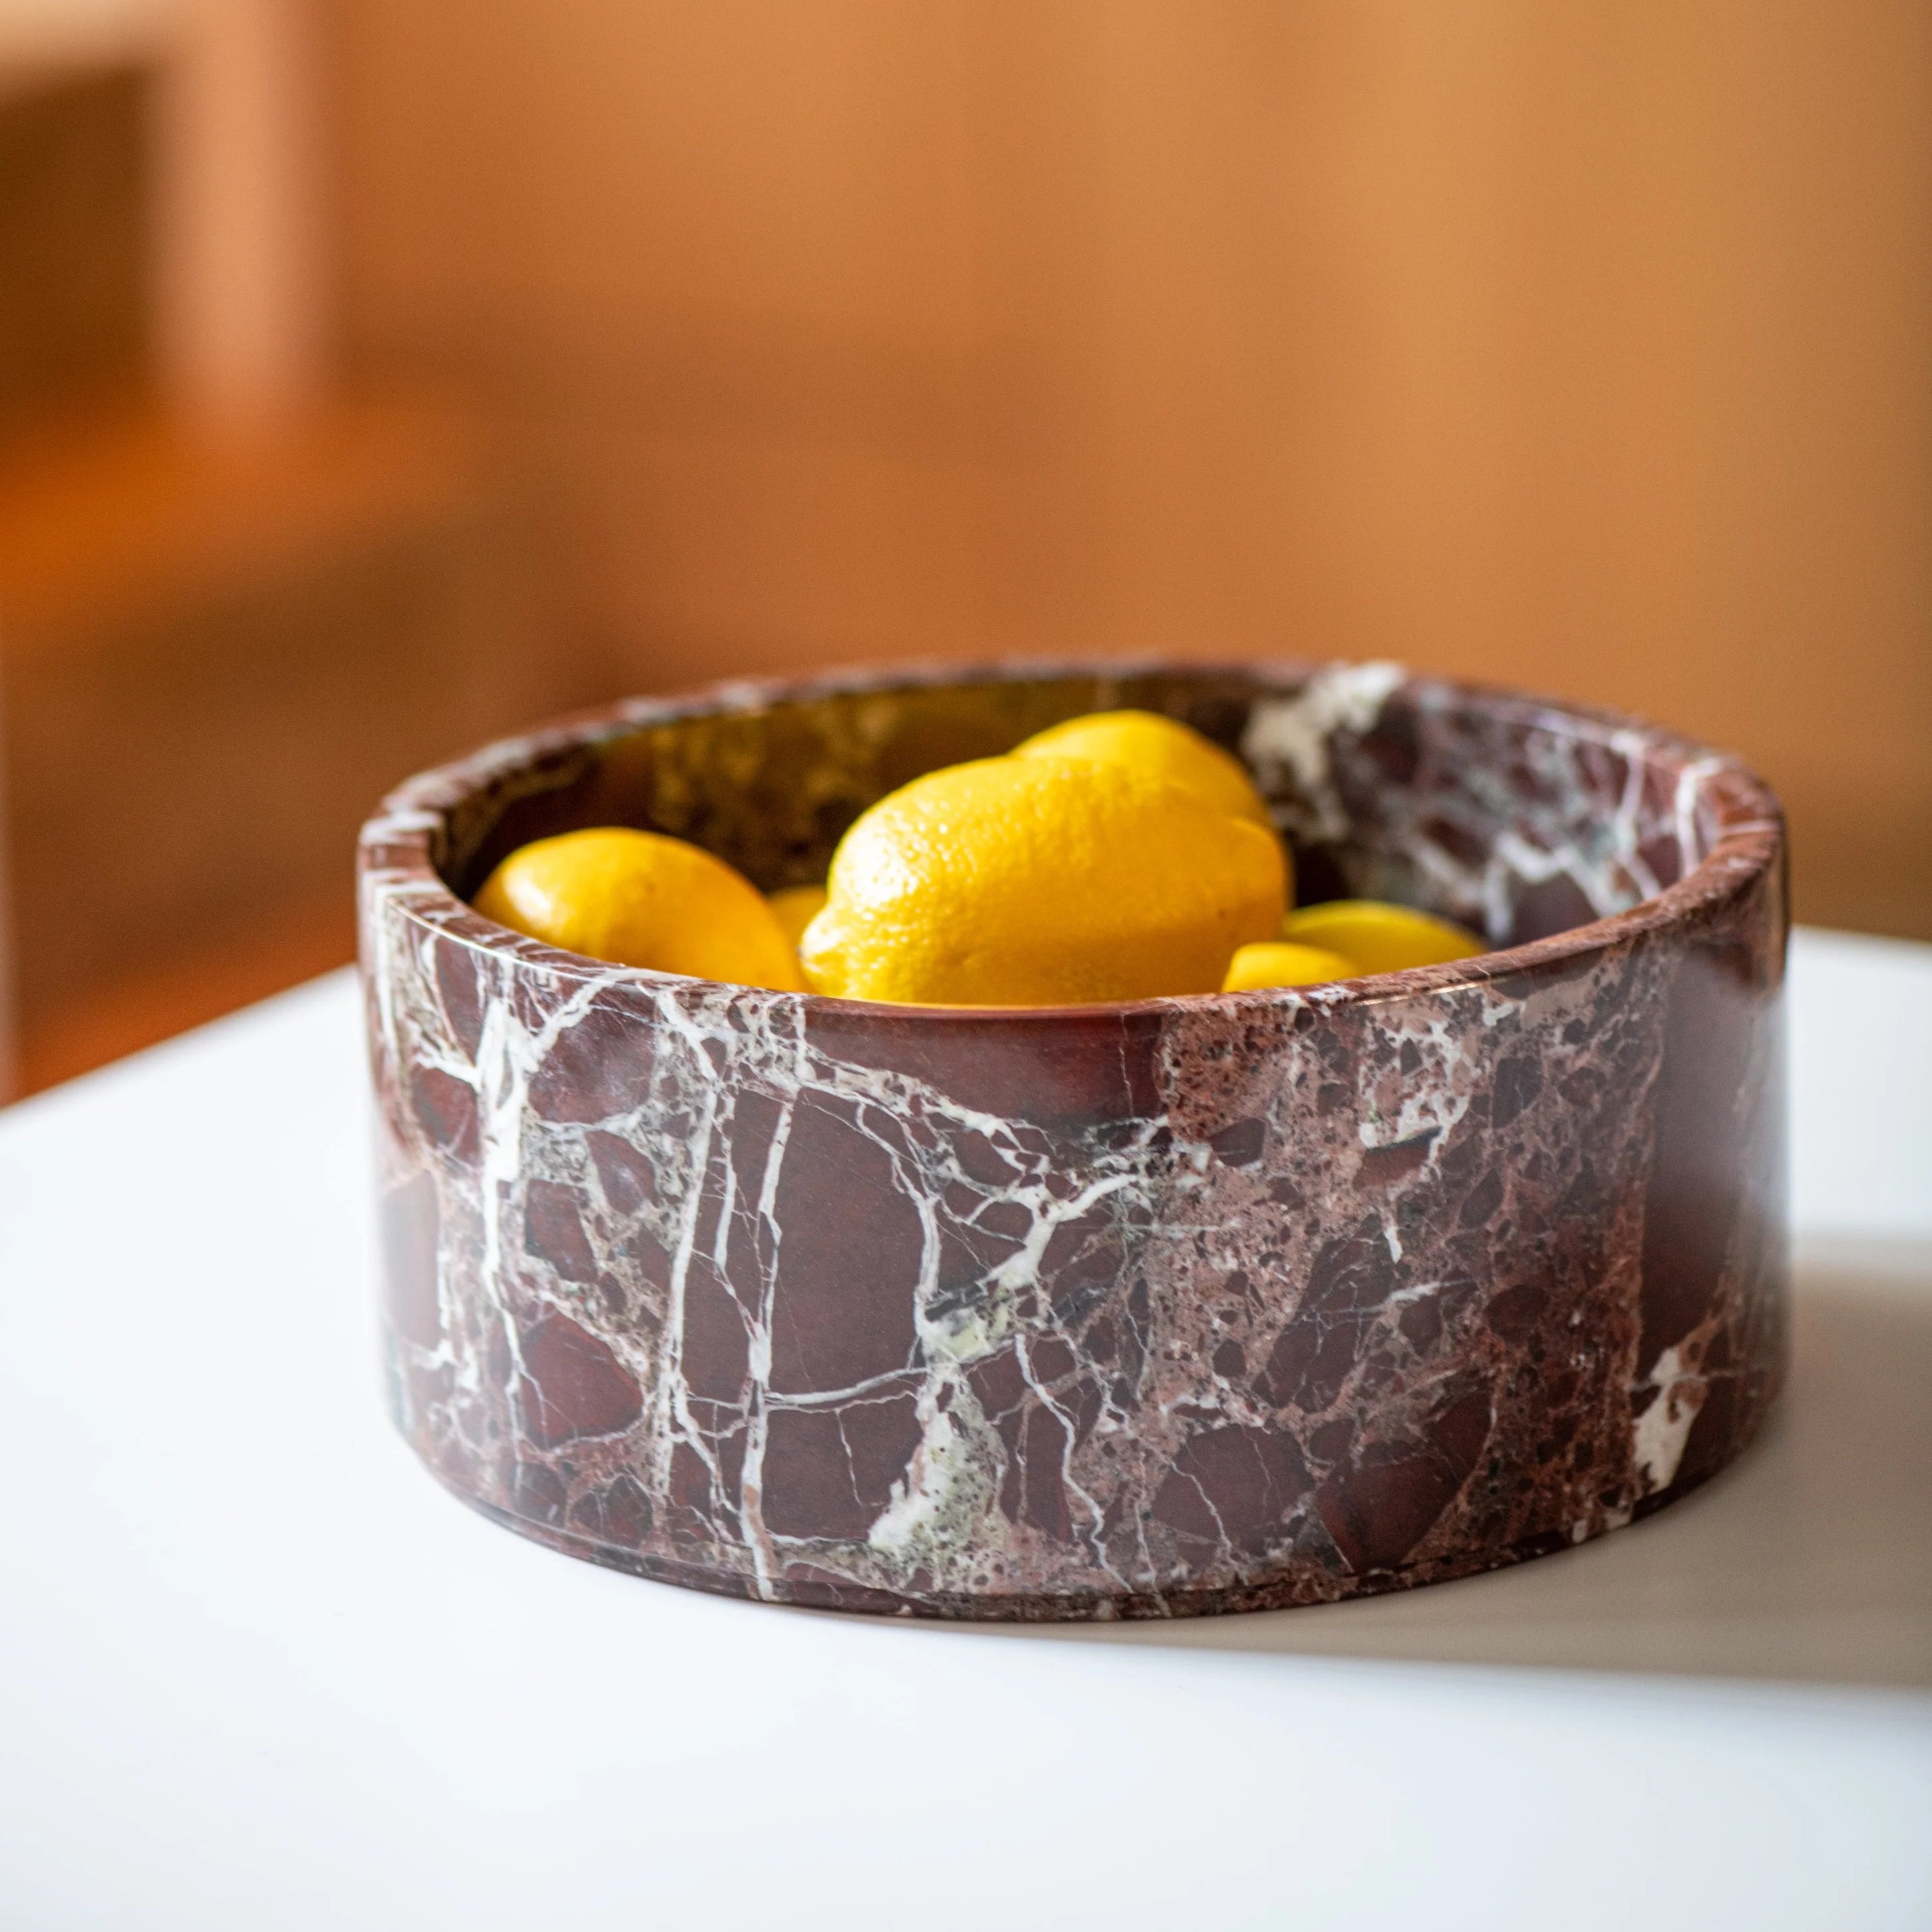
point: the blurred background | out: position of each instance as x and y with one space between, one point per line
378 375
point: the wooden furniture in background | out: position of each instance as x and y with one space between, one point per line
73 321
236 605
218 655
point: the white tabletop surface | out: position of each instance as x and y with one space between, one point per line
257 1670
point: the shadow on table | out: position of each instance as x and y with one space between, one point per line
1810 1560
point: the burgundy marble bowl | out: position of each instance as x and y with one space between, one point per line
1183 1305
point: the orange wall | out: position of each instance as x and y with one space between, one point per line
1585 347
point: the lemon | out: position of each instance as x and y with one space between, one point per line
796 907
641 899
1274 962
1380 937
1161 748
1040 881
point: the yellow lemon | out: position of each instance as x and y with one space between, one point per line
1274 962
796 907
1380 937
641 899
1161 748
1040 881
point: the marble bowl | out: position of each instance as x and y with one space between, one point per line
1146 1310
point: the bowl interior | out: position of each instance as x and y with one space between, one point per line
1517 818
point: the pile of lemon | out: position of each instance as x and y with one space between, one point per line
1120 856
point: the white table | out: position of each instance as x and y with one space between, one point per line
257 1671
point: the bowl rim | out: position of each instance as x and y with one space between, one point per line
395 844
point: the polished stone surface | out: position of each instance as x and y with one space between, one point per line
1189 1305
